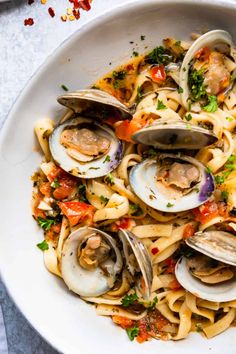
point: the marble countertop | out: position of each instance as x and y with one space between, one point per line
23 49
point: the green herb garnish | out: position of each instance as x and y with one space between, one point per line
82 193
142 37
43 246
110 179
224 196
197 88
107 159
212 106
135 209
64 87
208 169
152 304
55 183
129 299
119 75
159 55
188 117
180 90
160 105
103 199
135 54
132 332
169 205
46 223
230 119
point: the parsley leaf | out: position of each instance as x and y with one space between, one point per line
46 223
82 194
160 105
212 106
132 332
43 246
135 209
107 159
142 37
110 179
129 299
159 55
103 199
188 117
197 88
119 75
208 169
135 54
139 94
64 87
55 183
180 90
169 205
152 304
224 196
230 119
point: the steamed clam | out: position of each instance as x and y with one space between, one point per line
95 103
92 261
172 183
207 69
210 272
85 148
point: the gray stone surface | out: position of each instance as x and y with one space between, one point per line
23 50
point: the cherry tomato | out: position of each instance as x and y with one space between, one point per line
206 212
77 211
158 73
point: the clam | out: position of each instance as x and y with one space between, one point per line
207 69
95 103
172 183
171 134
138 261
210 273
85 148
92 261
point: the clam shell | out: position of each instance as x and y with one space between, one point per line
218 292
95 103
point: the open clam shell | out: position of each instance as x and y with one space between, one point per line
218 292
141 257
173 135
95 103
218 40
143 180
82 280
218 245
96 166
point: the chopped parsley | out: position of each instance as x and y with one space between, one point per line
103 199
107 159
94 168
118 76
151 152
135 54
208 169
212 105
142 38
188 117
139 93
180 90
55 183
64 87
135 209
197 88
229 166
46 223
188 126
230 119
110 179
178 44
159 55
82 193
224 196
169 205
129 299
199 328
160 105
132 332
43 246
152 304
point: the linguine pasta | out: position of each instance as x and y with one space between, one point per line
62 203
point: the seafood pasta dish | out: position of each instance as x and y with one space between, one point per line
136 192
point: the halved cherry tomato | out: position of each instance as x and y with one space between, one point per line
158 73
206 212
126 129
189 231
122 321
77 211
203 54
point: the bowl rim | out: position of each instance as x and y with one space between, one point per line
74 37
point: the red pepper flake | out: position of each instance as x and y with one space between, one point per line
30 2
29 21
85 5
76 13
51 12
155 250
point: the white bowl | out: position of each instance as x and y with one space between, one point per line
59 316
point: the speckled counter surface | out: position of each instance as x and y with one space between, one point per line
22 51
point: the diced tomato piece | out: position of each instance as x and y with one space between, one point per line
171 265
54 231
66 187
189 231
203 54
158 73
143 334
175 285
126 129
206 212
77 211
55 173
45 188
122 321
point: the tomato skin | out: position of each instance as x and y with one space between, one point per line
67 186
126 129
45 188
203 54
206 212
158 73
122 321
189 231
77 211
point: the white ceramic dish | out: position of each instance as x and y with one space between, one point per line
67 323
